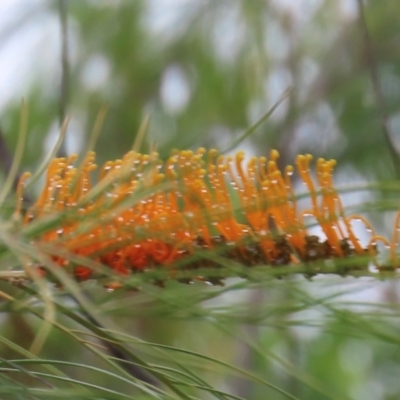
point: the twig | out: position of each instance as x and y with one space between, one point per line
5 156
259 122
11 164
356 267
380 100
65 81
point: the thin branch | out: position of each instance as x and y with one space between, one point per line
65 78
6 161
5 155
380 100
353 266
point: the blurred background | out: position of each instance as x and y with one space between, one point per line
205 71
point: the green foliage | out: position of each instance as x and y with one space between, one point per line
259 337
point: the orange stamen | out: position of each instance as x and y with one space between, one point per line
151 213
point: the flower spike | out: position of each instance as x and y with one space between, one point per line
145 213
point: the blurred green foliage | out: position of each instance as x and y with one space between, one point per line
205 71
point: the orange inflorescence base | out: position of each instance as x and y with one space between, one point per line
145 212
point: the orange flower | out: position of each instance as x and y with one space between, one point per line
144 212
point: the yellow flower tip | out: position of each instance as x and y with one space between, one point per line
240 155
172 160
301 163
266 183
274 154
196 158
332 163
144 158
72 158
211 168
213 153
22 180
275 175
201 172
220 159
289 169
186 153
253 160
91 167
